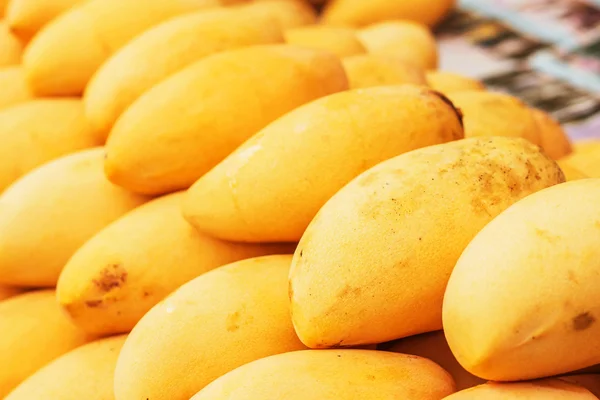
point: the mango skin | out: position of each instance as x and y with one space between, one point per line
37 237
289 13
370 70
167 139
38 131
213 324
9 291
332 375
155 251
164 50
496 114
534 296
448 82
571 173
12 47
589 381
84 373
14 88
245 198
342 42
409 219
62 58
555 389
585 158
35 331
410 41
554 139
26 17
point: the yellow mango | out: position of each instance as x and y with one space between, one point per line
368 70
554 139
164 50
213 324
589 381
342 42
245 198
154 251
3 4
408 219
11 48
38 131
449 82
9 291
49 213
27 17
585 158
571 173
14 88
433 346
496 114
289 13
409 41
522 301
333 375
62 58
168 138
555 389
35 331
84 373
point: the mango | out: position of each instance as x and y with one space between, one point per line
289 13
26 17
433 346
3 4
11 48
585 158
142 248
331 375
496 114
449 82
408 219
369 70
554 389
62 58
38 131
571 173
213 324
50 212
589 381
246 198
164 50
35 331
360 12
14 88
530 309
342 42
409 41
84 373
9 291
169 138
554 140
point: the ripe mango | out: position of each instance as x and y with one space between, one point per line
62 58
49 213
35 331
38 131
571 173
84 373
153 251
409 41
522 301
168 138
333 375
554 139
369 70
289 13
585 158
9 291
496 114
14 88
217 322
449 82
11 47
342 42
555 389
246 198
408 219
589 381
26 17
164 50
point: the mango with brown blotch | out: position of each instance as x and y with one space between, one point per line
144 245
496 114
332 375
554 140
449 82
168 138
86 372
571 173
215 323
343 42
35 331
12 47
555 389
166 49
62 58
38 131
433 346
361 13
9 291
409 41
538 327
49 213
289 13
585 157
14 88
370 70
27 17
245 198
408 219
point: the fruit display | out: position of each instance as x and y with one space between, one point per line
283 200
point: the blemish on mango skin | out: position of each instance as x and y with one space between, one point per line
583 321
112 276
233 321
349 290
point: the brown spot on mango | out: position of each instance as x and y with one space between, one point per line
112 276
233 321
583 321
